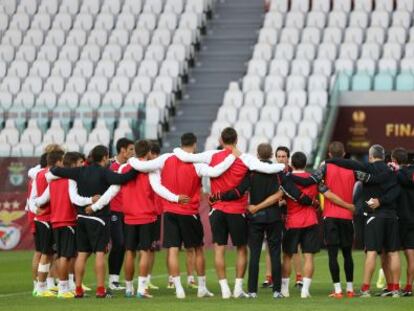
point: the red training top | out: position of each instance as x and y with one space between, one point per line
41 185
301 216
228 181
138 200
341 181
181 178
62 211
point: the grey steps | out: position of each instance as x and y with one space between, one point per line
223 56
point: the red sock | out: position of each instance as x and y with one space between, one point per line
79 290
298 277
100 290
390 286
269 278
408 288
365 287
396 287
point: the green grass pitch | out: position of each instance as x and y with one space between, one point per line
16 285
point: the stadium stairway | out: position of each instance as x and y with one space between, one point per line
223 56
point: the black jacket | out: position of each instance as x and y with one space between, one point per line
405 206
382 184
93 179
261 186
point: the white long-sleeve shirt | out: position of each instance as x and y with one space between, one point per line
35 202
155 182
252 163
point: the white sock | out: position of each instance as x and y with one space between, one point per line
129 286
113 278
170 279
71 280
306 285
34 285
142 284
149 278
238 285
50 283
177 282
349 286
41 287
190 279
337 287
201 282
224 285
63 286
285 284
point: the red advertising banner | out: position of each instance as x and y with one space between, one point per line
390 126
14 227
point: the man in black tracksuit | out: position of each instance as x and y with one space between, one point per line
405 211
267 221
93 232
381 232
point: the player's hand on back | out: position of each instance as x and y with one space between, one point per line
183 199
89 210
95 198
252 209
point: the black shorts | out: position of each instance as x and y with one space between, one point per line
224 224
92 234
381 234
65 240
307 238
44 237
406 235
157 229
182 229
139 237
338 232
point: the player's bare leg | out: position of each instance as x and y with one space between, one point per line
297 264
308 269
409 255
42 273
200 265
35 267
286 270
241 265
129 270
174 269
394 267
144 264
80 264
220 264
100 271
369 269
190 263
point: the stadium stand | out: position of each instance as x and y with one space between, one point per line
301 49
76 72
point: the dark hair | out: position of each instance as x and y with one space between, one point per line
82 156
336 149
155 147
229 136
54 156
188 139
299 160
71 158
123 143
284 149
43 160
264 151
98 153
142 148
400 155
